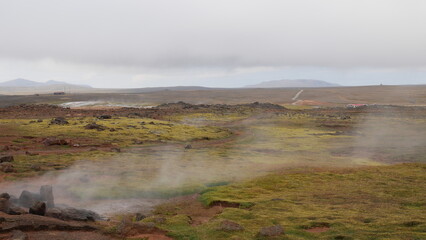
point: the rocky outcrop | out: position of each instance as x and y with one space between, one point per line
38 208
46 195
54 141
95 126
28 199
59 121
70 213
6 158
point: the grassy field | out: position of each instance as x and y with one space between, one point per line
367 203
327 174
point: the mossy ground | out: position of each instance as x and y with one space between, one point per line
377 202
226 148
368 203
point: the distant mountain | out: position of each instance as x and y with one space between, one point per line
20 82
157 89
299 83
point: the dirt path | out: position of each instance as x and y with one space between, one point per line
297 95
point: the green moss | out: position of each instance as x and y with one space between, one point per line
352 204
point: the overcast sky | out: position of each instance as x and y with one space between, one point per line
220 43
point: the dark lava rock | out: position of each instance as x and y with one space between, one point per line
54 141
4 205
7 167
95 126
69 213
59 121
19 235
39 208
139 217
271 231
15 210
6 158
104 117
28 199
46 195
227 225
5 195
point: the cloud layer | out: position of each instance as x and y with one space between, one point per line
136 43
194 33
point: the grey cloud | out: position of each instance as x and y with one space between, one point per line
228 34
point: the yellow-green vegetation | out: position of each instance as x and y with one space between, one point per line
124 130
209 118
367 203
260 144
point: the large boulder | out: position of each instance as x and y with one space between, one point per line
70 213
4 205
38 208
28 199
54 141
46 195
6 158
5 195
7 167
104 117
95 126
59 121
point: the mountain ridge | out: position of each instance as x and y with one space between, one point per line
23 83
285 83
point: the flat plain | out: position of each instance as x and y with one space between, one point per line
227 164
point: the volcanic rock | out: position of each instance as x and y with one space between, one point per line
6 158
139 217
54 141
31 222
46 195
70 213
5 195
39 208
7 167
4 205
59 121
95 126
104 117
271 231
28 199
227 225
15 210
